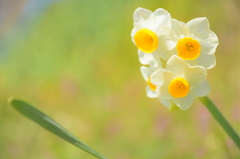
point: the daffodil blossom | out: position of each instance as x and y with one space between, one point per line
146 73
180 83
152 34
196 42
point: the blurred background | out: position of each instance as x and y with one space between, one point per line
75 61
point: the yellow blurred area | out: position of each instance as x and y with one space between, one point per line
76 62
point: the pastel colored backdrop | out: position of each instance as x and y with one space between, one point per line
75 61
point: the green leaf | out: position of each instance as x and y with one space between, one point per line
51 125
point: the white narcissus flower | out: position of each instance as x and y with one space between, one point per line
196 42
146 73
152 34
180 83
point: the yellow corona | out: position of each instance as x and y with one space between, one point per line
146 40
178 87
188 48
152 86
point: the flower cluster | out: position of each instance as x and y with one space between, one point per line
188 49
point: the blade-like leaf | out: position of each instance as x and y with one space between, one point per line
51 125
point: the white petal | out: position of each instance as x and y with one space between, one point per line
165 54
161 76
207 61
185 102
146 72
201 89
145 58
176 65
206 37
156 64
162 90
167 39
144 18
209 44
141 13
156 56
195 75
198 25
165 102
151 93
133 32
180 28
141 16
163 18
192 62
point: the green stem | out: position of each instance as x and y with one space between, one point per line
221 120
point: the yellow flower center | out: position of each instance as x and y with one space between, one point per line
178 87
146 40
152 86
188 48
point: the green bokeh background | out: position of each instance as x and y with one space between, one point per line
77 64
